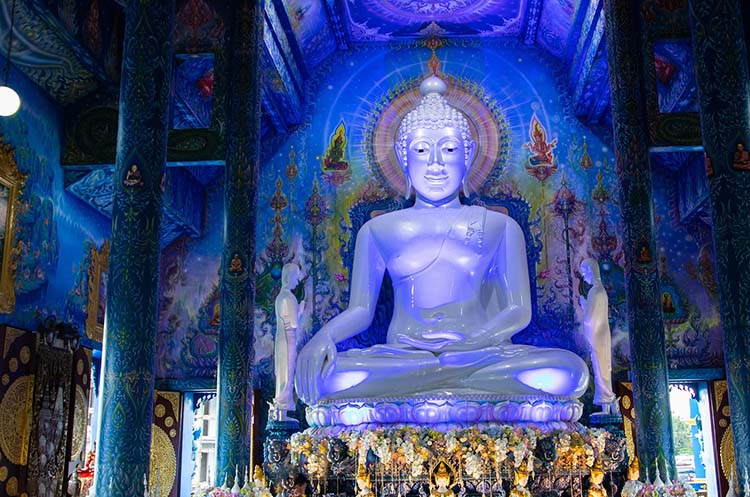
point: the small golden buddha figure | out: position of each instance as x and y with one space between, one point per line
634 469
520 481
633 484
235 266
596 477
741 158
133 177
259 477
364 483
442 481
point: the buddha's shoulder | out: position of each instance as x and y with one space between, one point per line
386 220
499 219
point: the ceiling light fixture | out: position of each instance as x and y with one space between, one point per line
9 99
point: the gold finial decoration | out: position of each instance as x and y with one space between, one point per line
634 469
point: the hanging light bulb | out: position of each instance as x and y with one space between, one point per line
9 99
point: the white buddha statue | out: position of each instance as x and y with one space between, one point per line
461 288
597 333
288 319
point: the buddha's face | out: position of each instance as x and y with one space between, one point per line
436 162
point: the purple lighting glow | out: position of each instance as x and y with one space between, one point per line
551 380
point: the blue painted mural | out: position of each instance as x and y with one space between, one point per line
676 87
192 91
311 28
55 231
689 291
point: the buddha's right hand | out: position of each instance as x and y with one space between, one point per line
314 365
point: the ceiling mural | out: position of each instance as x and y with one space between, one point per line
48 54
312 29
554 25
378 20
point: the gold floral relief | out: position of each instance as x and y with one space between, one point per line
15 420
163 462
10 336
11 488
12 183
720 388
79 422
174 400
726 454
97 292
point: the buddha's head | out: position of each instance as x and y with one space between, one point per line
434 145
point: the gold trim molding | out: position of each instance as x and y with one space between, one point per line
12 180
99 267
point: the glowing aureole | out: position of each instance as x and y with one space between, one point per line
551 380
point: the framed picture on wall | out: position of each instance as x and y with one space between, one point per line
12 182
98 275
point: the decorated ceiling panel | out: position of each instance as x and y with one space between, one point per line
46 52
374 20
311 27
555 23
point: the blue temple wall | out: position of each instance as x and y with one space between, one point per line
55 231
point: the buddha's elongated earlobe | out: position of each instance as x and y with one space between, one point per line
408 185
465 184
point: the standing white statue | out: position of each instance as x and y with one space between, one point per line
460 282
596 331
288 319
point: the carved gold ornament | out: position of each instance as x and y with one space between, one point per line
98 270
163 462
12 182
726 453
15 420
79 422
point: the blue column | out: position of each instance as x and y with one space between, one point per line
724 86
238 256
645 323
132 295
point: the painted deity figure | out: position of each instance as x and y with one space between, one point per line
460 282
288 318
540 148
596 331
